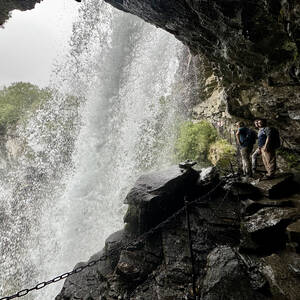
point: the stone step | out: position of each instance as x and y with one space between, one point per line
280 186
265 230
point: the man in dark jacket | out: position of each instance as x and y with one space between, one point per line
246 142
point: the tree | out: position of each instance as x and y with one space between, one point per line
194 140
19 100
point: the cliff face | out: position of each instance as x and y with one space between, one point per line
6 6
249 53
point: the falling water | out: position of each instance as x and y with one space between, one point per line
64 195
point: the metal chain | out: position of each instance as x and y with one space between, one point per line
141 238
43 284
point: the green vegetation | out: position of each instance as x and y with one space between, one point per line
20 100
200 142
221 153
194 140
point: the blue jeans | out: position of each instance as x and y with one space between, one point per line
255 154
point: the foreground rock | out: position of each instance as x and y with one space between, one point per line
140 263
265 230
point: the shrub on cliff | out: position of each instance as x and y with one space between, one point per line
221 153
194 140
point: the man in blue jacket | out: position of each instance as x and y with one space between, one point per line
268 150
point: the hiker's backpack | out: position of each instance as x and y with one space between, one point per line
274 138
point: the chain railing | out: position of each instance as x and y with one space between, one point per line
140 239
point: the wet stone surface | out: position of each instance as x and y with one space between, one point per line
231 245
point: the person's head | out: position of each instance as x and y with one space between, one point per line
255 123
240 124
261 123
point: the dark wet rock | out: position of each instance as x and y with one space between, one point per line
112 245
280 186
157 195
160 184
293 231
226 271
89 282
265 229
187 164
250 207
229 33
159 265
283 282
242 190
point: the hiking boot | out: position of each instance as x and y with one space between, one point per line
267 177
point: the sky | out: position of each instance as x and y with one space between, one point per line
31 42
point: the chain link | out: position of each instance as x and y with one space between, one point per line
140 239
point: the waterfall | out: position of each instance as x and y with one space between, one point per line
126 72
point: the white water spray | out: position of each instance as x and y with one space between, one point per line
125 69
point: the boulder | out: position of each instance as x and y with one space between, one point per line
265 230
157 195
283 282
112 247
250 207
293 231
280 186
226 277
242 190
89 283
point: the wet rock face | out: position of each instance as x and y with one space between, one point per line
247 54
6 6
242 38
249 253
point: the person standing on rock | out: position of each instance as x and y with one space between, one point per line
245 139
268 143
256 153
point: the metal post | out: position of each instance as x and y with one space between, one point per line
191 246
